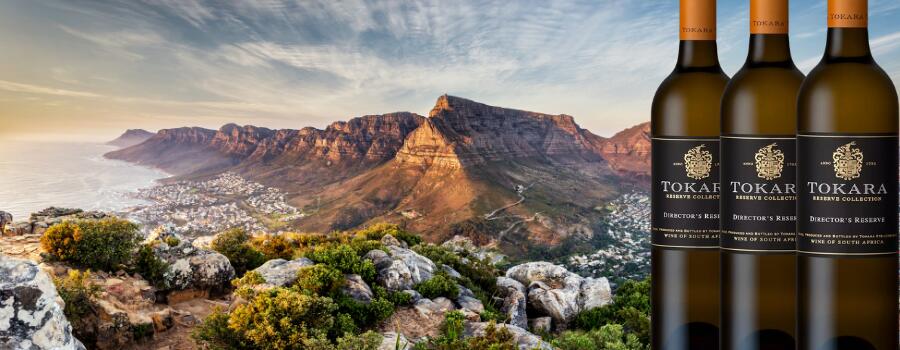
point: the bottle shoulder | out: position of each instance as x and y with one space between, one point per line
687 104
761 101
849 96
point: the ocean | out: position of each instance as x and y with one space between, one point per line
37 175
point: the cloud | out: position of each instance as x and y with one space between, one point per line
43 90
885 43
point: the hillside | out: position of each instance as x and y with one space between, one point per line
130 138
513 177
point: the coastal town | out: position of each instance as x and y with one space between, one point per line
210 206
627 256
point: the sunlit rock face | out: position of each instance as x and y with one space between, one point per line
31 312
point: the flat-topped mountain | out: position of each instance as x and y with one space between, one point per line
516 177
130 138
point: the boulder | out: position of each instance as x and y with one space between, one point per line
194 269
400 268
356 288
541 324
31 311
395 341
461 244
280 272
414 295
471 304
523 338
437 307
554 291
5 220
515 301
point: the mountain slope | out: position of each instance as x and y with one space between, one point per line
130 138
517 178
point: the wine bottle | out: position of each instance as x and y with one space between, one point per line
847 193
758 207
685 189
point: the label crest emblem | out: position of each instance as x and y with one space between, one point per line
769 162
848 161
697 163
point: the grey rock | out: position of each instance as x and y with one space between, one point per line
400 268
541 324
433 308
379 258
194 268
515 306
356 288
450 271
471 304
391 241
390 341
280 272
31 312
5 219
504 284
554 291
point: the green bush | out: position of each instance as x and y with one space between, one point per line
283 319
244 285
345 259
172 241
368 314
630 308
451 338
106 244
60 241
234 244
377 231
78 293
274 247
440 285
608 337
320 279
149 266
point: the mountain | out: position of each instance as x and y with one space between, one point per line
130 138
517 178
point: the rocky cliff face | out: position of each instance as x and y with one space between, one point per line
629 150
185 151
460 132
130 138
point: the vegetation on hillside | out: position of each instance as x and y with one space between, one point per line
106 244
622 325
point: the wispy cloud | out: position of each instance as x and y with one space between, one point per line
43 90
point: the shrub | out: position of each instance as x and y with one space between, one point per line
345 259
234 245
366 341
78 293
244 285
283 319
214 332
494 338
630 308
320 279
608 337
452 328
377 231
366 314
60 240
274 247
172 241
440 285
106 244
149 266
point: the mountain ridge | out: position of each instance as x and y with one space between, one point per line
491 173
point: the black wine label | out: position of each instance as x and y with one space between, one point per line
685 194
759 193
847 194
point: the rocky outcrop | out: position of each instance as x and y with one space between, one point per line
194 269
515 301
401 268
5 219
357 289
130 138
280 272
39 222
31 312
554 291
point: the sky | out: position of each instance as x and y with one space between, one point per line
78 69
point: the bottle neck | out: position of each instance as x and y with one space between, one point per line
848 43
769 49
697 54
